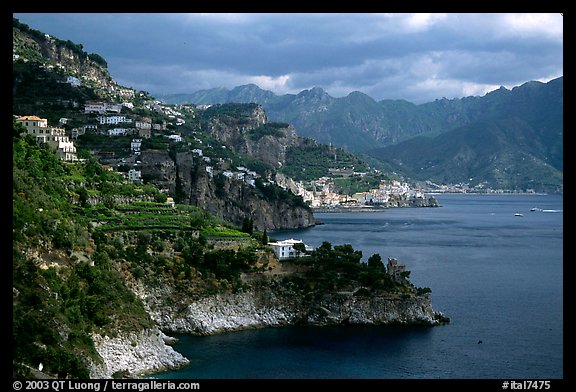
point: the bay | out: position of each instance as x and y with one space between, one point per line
499 277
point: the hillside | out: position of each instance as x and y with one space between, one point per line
211 142
518 144
56 79
158 224
358 123
100 264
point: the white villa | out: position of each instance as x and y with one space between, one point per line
56 138
285 249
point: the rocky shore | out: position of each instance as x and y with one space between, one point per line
258 308
268 304
135 354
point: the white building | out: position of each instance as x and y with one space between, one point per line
117 132
101 107
135 145
135 175
56 138
285 249
113 120
144 124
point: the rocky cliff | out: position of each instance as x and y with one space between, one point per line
276 304
228 198
136 353
68 58
249 132
266 302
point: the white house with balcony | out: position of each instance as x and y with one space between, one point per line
284 250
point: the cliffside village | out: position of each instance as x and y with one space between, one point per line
108 122
319 194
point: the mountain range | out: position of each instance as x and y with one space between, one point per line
509 139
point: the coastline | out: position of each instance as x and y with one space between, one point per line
348 209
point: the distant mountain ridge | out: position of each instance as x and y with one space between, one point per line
515 143
373 124
386 130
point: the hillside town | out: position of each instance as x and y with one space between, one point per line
322 196
319 194
105 118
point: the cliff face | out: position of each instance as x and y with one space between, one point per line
273 305
234 200
139 352
235 132
229 199
266 303
67 57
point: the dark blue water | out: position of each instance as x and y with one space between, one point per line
497 276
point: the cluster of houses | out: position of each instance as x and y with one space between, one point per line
109 122
320 193
55 138
110 116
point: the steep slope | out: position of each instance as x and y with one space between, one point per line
102 266
70 63
534 110
518 144
54 79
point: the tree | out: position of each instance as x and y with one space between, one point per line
17 129
264 237
248 225
375 261
300 248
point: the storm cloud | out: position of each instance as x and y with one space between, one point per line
416 57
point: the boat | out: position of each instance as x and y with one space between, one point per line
518 214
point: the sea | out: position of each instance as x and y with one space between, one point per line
494 264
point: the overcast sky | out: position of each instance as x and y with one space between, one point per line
416 57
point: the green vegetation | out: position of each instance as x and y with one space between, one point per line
274 193
236 110
340 268
268 129
56 308
77 49
312 161
92 242
40 91
358 183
